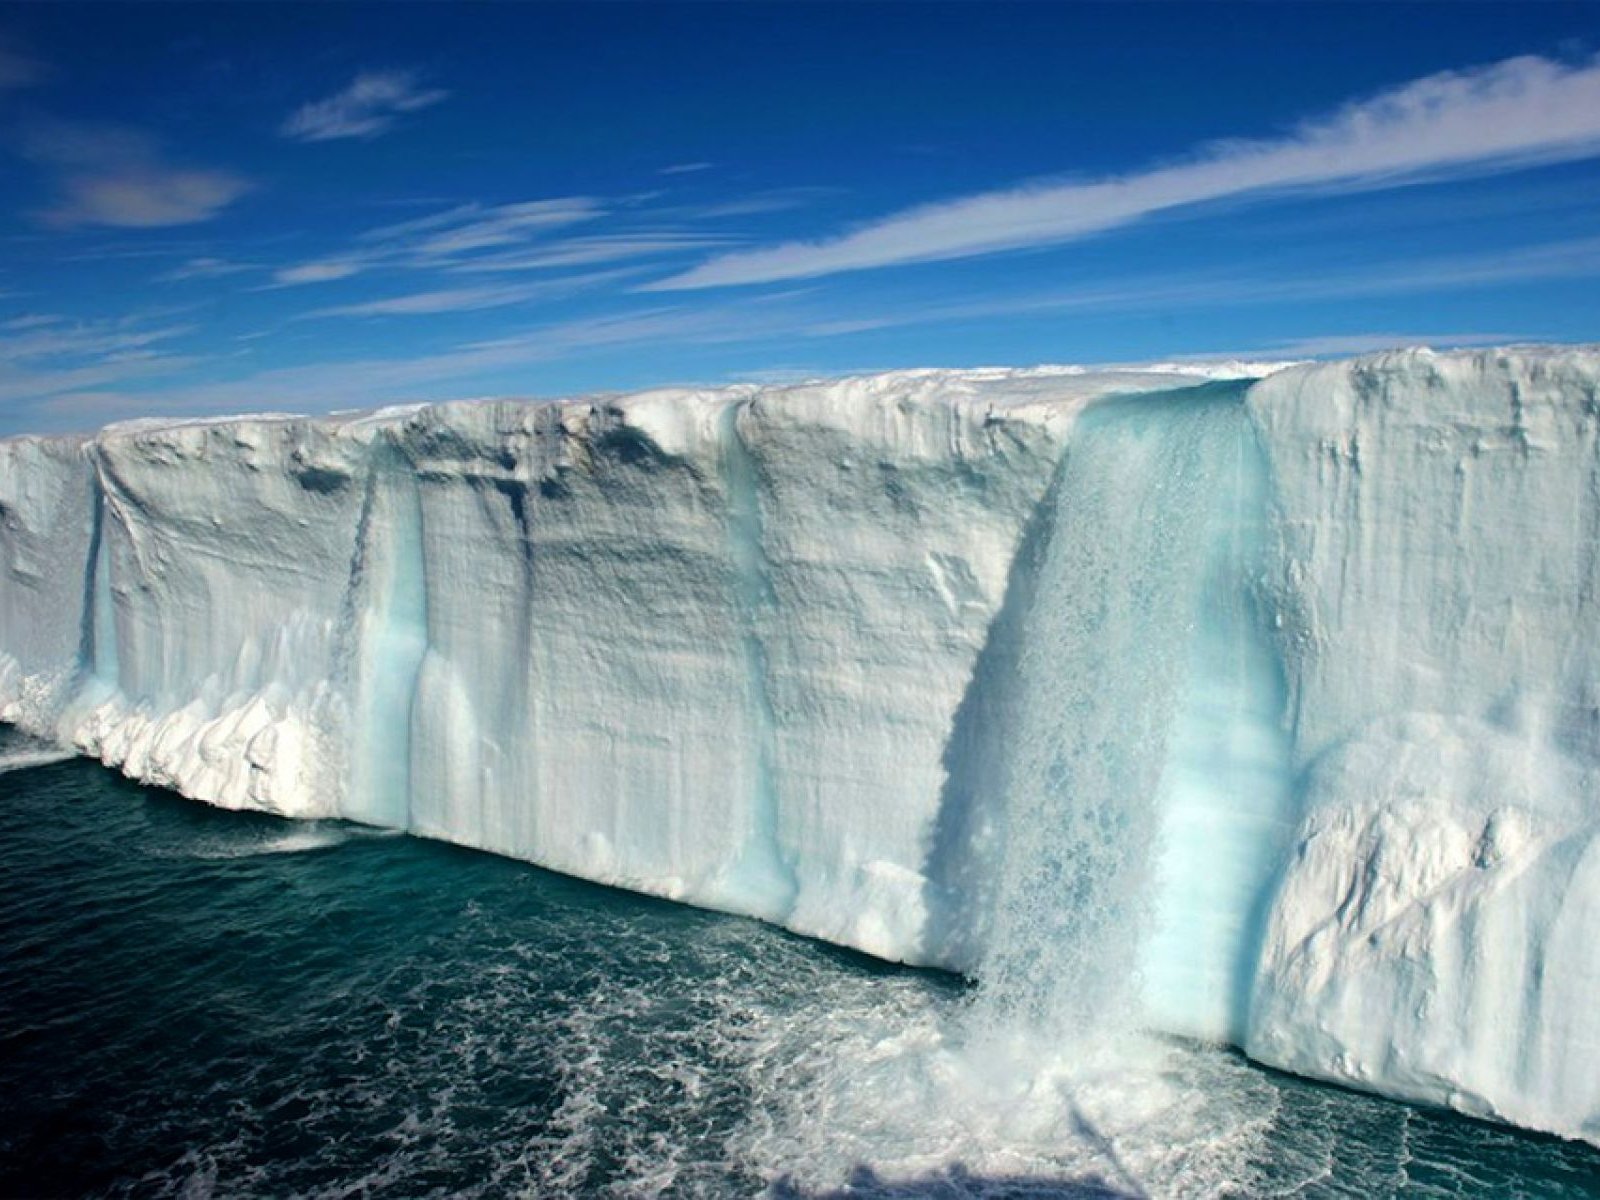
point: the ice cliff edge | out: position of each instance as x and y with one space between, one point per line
1290 686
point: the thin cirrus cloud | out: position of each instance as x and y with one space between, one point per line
368 107
41 356
505 225
426 303
114 176
1364 343
1520 112
1576 258
316 272
443 239
600 248
204 268
466 299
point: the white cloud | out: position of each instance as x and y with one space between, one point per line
465 299
42 357
32 321
204 268
443 239
1332 345
687 168
1573 259
147 199
505 225
426 303
774 200
365 109
1515 113
460 214
317 272
463 370
579 251
111 175
52 337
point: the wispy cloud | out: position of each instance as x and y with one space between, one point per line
462 370
365 109
42 357
1515 113
32 321
1577 258
600 248
1332 345
317 272
469 299
49 337
445 239
112 175
771 201
686 168
204 268
426 303
504 225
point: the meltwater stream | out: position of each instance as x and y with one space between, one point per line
202 1003
1137 639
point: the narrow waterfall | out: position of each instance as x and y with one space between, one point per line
1146 524
386 631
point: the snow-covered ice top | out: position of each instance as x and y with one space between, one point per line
1280 697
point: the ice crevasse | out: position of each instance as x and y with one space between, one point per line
1276 699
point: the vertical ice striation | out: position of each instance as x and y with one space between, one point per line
98 654
224 591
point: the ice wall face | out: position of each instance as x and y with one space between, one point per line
220 610
1436 931
1265 713
49 523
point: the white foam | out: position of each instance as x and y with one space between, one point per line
23 759
313 836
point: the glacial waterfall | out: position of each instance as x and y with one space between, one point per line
1139 631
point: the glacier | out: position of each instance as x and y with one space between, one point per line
1262 703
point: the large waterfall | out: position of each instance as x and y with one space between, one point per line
1138 690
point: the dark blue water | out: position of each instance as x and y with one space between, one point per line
201 1003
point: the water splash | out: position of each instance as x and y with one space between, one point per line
41 755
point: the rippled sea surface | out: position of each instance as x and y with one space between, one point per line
202 1003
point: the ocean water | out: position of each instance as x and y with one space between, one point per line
202 1003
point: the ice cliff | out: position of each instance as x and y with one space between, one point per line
1269 707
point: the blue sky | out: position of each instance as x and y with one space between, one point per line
260 207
